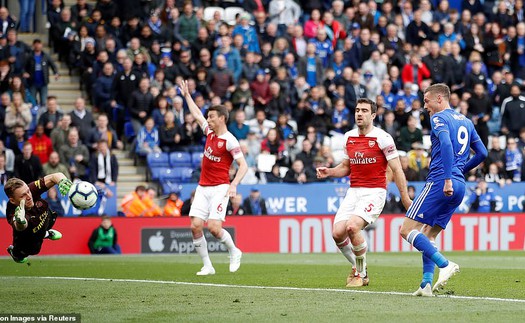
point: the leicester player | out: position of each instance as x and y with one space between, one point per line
29 214
452 137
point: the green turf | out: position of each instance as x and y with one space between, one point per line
490 274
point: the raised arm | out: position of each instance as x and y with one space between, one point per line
194 109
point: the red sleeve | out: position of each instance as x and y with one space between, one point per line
264 145
406 74
281 146
424 71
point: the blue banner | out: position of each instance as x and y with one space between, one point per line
105 204
325 198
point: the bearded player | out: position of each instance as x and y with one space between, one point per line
368 151
30 216
214 190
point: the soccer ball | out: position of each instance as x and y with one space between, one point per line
83 195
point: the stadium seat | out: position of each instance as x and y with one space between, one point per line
167 174
196 148
196 159
183 174
210 11
168 187
231 12
180 159
158 160
155 173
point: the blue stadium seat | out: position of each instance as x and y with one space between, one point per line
183 174
155 173
196 148
196 159
180 159
167 174
158 160
168 187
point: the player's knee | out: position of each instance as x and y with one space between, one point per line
404 231
196 230
339 235
215 230
353 228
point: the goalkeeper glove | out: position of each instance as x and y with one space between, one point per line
20 213
64 185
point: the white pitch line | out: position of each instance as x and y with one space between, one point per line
171 282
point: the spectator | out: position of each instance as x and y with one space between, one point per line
63 34
188 25
235 207
27 15
191 133
409 135
439 65
479 105
82 119
248 33
49 119
173 205
222 81
415 71
103 165
17 140
513 116
275 175
238 127
307 154
513 160
18 50
278 102
152 209
260 125
75 155
103 240
169 133
410 173
495 176
124 83
483 199
55 204
60 133
7 22
41 143
17 85
298 173
28 166
5 102
273 145
80 11
255 204
418 159
390 124
132 204
102 131
18 114
37 71
4 173
311 66
140 104
148 140
260 88
187 204
54 165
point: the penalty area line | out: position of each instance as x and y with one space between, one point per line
307 289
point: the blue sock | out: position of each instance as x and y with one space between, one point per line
428 270
423 244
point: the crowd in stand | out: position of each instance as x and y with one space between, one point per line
289 71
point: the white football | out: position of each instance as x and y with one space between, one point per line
83 195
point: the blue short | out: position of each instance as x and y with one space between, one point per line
432 207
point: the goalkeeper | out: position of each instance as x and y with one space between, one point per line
30 216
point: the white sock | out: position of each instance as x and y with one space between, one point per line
228 241
346 250
361 260
202 249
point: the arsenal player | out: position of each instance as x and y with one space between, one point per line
214 190
368 152
30 216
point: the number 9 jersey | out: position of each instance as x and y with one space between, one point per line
461 132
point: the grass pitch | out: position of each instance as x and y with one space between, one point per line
267 287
